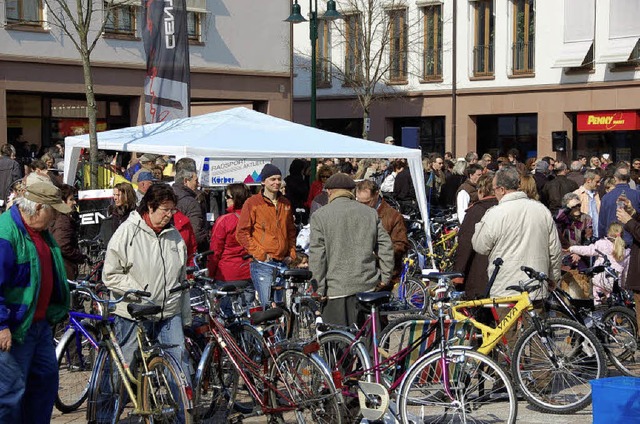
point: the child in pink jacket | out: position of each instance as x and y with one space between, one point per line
614 247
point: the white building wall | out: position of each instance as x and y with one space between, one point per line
247 35
548 46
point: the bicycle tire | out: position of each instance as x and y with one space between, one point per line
105 391
163 392
476 384
76 357
215 385
415 295
303 378
304 322
558 390
353 363
620 341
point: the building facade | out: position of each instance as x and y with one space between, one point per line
484 75
42 95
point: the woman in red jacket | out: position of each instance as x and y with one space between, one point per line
226 263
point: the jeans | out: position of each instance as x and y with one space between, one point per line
29 378
168 331
264 276
246 299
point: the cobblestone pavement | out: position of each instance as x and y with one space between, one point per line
526 415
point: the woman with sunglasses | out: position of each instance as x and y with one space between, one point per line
226 263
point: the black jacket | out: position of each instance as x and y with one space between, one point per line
196 212
9 172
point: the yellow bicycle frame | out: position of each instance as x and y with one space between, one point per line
491 336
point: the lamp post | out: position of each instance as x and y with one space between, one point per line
296 17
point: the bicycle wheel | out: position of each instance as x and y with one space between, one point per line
76 357
300 382
304 322
620 341
215 385
469 388
414 294
163 392
560 386
105 391
353 363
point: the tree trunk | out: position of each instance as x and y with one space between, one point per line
92 112
366 106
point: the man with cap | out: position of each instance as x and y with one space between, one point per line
389 140
266 230
34 296
145 180
347 242
147 162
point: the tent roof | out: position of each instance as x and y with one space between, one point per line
238 133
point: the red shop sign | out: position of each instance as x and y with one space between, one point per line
608 121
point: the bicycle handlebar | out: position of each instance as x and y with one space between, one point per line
85 287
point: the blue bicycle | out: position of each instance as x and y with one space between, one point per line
76 353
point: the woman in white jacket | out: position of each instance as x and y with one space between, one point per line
614 247
147 253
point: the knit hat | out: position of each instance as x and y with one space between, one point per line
269 171
542 166
340 180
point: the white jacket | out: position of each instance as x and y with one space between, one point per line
387 184
137 258
521 232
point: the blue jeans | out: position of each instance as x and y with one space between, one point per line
246 299
263 277
29 378
168 331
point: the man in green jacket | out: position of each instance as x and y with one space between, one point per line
34 294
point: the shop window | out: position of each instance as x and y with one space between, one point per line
432 131
432 39
498 134
524 34
120 19
353 51
484 35
194 26
24 12
323 54
397 45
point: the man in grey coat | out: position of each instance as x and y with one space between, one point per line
350 252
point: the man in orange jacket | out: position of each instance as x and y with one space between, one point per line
266 230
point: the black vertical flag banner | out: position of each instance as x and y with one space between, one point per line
166 85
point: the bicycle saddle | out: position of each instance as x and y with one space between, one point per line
264 316
444 275
231 288
373 298
140 311
297 274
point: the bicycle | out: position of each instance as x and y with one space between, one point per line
368 384
76 354
161 391
411 294
280 377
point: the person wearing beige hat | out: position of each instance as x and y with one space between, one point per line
347 243
34 296
147 162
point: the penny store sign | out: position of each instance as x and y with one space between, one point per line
608 121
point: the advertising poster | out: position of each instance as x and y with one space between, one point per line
223 172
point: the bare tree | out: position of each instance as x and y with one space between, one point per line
375 37
83 22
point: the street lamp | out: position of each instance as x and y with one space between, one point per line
295 18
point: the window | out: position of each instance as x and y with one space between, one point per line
484 36
194 26
26 12
524 34
397 45
353 54
323 54
432 55
120 19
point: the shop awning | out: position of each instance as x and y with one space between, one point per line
573 54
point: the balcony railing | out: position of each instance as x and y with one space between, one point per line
483 60
523 57
432 64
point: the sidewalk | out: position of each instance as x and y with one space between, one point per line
526 415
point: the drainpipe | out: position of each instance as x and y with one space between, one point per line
454 77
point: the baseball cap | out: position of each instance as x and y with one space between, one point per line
146 176
46 194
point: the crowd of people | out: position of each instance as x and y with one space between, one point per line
531 213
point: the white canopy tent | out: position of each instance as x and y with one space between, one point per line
241 133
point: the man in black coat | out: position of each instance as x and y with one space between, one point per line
185 186
9 172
